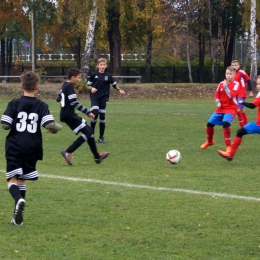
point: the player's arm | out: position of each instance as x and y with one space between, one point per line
250 88
249 105
217 96
249 84
90 84
79 107
115 86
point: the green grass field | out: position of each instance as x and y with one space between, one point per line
135 205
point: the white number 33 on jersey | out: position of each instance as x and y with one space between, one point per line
31 127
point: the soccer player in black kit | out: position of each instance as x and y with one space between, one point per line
76 124
100 81
24 117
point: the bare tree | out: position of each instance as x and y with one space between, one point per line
89 41
210 42
187 40
253 72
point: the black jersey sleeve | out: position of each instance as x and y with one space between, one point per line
91 79
249 105
46 117
7 117
113 83
72 96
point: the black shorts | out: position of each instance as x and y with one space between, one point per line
22 170
98 106
76 123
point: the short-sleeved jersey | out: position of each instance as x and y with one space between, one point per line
228 104
101 81
68 95
25 115
256 102
242 77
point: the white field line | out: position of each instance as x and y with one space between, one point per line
129 185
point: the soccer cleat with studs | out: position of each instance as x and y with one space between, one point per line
18 213
207 144
101 140
102 156
225 155
66 156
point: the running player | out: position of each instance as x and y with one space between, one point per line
23 147
250 128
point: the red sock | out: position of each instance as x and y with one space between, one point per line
245 121
210 133
237 142
227 136
240 118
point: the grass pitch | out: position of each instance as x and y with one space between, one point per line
135 205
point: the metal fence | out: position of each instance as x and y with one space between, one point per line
172 74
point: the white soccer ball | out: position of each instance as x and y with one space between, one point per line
173 156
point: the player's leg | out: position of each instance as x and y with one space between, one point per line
245 120
95 110
250 128
215 119
75 124
22 187
226 124
241 114
87 132
13 171
102 121
67 153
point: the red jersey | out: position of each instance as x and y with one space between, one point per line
228 104
256 102
242 77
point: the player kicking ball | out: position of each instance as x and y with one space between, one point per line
250 128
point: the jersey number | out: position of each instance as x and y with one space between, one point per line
23 125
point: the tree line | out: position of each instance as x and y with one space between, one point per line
168 31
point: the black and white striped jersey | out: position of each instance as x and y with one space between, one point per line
69 103
25 116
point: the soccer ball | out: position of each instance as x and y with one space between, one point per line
173 156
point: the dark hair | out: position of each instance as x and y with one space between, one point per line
73 72
29 80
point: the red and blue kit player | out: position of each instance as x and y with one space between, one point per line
250 128
226 100
243 78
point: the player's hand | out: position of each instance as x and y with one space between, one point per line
121 91
91 115
250 94
93 90
219 104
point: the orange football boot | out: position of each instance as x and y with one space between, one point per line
207 144
225 155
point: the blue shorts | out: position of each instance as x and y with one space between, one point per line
240 106
218 119
252 128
